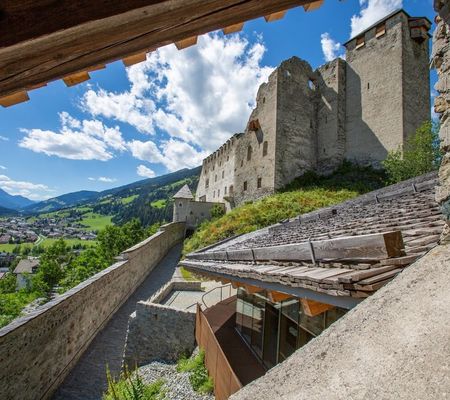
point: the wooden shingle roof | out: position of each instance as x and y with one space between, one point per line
349 250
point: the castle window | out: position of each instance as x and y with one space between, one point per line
180 204
231 189
360 42
265 148
207 184
215 178
242 163
368 85
223 174
245 185
311 84
218 193
203 198
214 194
228 158
259 183
225 191
264 100
249 153
380 30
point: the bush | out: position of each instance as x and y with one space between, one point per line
130 386
200 380
421 154
217 211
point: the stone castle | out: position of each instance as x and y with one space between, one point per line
355 109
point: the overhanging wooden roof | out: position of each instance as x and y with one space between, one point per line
41 40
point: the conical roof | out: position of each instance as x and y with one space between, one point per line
184 193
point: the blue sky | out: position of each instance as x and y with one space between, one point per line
169 112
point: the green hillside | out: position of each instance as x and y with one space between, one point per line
305 194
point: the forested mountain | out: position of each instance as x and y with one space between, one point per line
13 202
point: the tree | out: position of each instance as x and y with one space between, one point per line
421 154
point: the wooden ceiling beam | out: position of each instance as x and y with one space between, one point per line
313 6
275 16
13 99
183 44
233 28
87 36
136 59
75 79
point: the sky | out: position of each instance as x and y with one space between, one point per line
171 111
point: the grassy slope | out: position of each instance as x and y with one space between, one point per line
96 222
305 194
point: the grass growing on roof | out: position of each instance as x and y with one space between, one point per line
304 194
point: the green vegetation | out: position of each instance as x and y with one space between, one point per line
130 386
96 222
198 375
161 203
33 248
129 199
60 268
420 155
303 195
217 211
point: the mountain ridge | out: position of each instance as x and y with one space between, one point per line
13 202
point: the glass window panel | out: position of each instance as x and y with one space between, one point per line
333 315
270 335
314 325
247 316
258 323
303 337
239 309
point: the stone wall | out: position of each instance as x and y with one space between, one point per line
193 213
441 61
331 116
296 138
159 332
39 350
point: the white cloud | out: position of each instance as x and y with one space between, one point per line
145 151
330 47
3 167
77 140
178 154
102 179
4 138
201 95
33 191
371 12
145 172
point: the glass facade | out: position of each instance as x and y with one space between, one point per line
275 330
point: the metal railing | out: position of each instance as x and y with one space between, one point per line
222 289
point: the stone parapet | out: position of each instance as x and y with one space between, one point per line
39 350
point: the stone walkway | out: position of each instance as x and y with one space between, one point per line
87 381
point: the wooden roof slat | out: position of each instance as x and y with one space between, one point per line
13 99
135 59
183 44
77 78
233 28
313 6
275 16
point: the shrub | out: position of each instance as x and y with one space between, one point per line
130 386
217 211
421 154
198 374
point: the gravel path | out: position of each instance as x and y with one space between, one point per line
87 381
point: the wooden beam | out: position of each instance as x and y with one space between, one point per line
42 41
137 58
183 44
377 246
277 297
14 99
77 78
312 308
252 289
275 16
313 6
233 28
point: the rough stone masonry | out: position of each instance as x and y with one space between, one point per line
440 59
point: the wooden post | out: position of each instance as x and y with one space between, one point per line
135 59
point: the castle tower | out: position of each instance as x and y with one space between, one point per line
387 86
181 203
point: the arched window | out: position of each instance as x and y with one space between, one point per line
249 153
265 148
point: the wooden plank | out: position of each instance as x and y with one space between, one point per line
360 275
313 6
400 261
275 16
135 59
13 99
77 78
312 308
373 287
380 277
56 40
183 44
277 297
233 28
252 289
